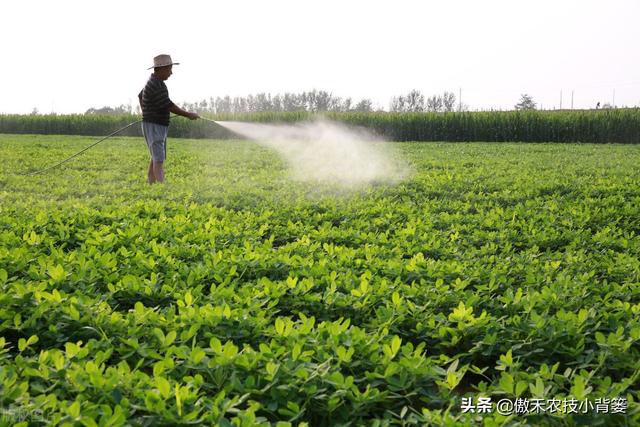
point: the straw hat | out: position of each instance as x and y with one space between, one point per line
162 61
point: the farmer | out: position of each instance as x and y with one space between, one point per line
156 106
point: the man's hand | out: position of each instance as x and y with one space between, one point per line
180 112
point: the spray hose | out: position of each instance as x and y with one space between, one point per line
91 146
81 151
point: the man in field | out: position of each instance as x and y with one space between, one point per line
156 106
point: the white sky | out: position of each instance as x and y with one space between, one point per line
68 56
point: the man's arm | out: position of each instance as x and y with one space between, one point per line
179 111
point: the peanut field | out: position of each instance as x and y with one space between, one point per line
234 295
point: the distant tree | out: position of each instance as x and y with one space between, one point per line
264 101
411 102
448 101
293 102
252 105
103 110
319 101
397 104
223 105
309 99
120 109
276 102
335 103
365 105
526 103
435 103
34 112
607 106
415 101
346 105
239 105
445 102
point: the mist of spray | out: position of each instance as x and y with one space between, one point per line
327 151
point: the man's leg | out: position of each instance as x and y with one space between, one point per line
158 171
150 174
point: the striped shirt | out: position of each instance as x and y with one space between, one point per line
155 102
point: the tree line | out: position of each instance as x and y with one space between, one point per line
415 101
322 101
314 101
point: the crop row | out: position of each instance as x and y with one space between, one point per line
604 126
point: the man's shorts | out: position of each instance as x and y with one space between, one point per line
156 137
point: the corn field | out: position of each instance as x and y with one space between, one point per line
589 126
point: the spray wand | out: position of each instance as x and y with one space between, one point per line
209 120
